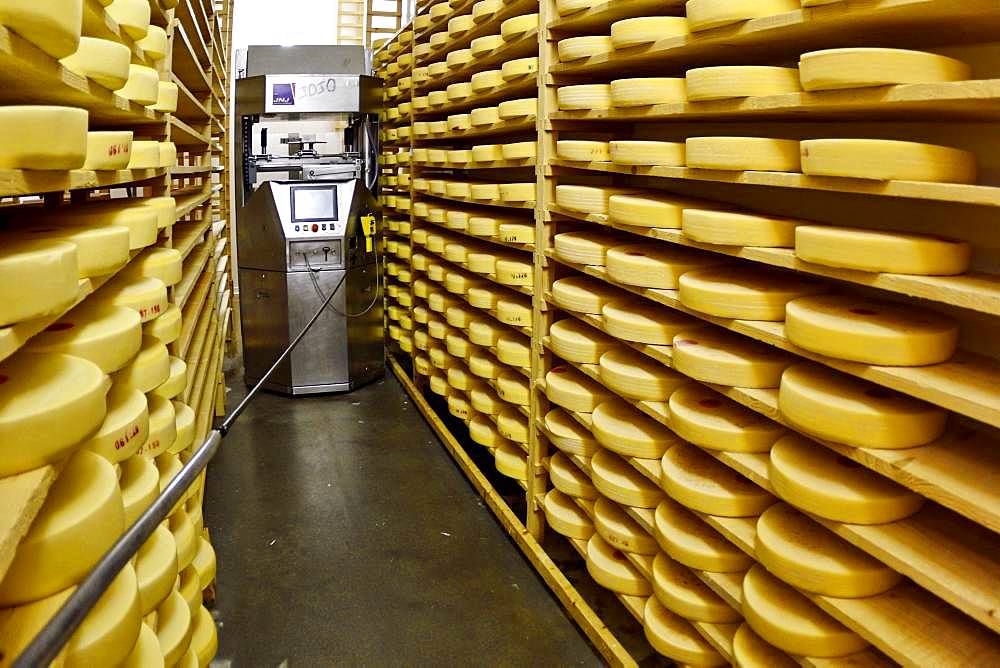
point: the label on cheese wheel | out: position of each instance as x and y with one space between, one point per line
620 531
713 355
513 425
517 233
83 501
569 479
511 271
649 209
725 82
886 160
647 29
703 484
707 14
108 336
645 91
643 321
743 153
48 404
831 405
616 479
878 251
833 69
791 622
653 265
519 67
146 296
422 363
637 376
48 268
824 483
108 633
645 152
868 331
688 540
584 96
511 461
674 637
744 292
812 558
567 387
43 137
575 341
583 294
681 592
752 651
588 248
732 228
583 151
565 517
587 199
459 406
108 150
569 435
612 569
578 48
708 419
162 427
623 429
125 427
156 570
516 192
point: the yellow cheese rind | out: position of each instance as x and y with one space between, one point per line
646 91
484 432
752 651
653 265
512 387
100 249
744 153
880 251
567 387
623 429
734 228
646 29
836 407
174 628
154 44
645 152
565 517
132 16
791 622
648 209
184 419
703 484
148 369
616 479
587 199
612 569
140 485
204 636
156 569
690 541
726 82
519 67
108 336
101 60
144 155
642 321
583 151
520 108
483 81
674 637
582 294
576 341
110 630
486 44
636 376
518 25
824 483
519 151
578 48
459 406
703 417
569 479
166 327
569 435
146 653
52 25
712 355
48 137
869 331
744 292
620 531
125 428
109 150
681 592
832 69
584 96
589 248
485 116
886 160
566 7
707 14
142 86
513 425
166 102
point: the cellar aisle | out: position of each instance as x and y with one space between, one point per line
350 538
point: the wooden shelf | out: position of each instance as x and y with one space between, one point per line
528 248
502 128
462 7
524 290
526 163
188 235
22 182
504 205
186 65
521 47
183 135
188 203
189 106
194 266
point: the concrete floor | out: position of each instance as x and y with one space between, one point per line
346 535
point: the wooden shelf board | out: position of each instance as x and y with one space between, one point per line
186 65
22 182
501 128
496 240
526 163
504 205
187 235
523 46
185 136
525 87
193 268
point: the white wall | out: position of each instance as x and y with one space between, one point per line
285 22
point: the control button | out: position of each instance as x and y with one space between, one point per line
323 226
315 227
296 228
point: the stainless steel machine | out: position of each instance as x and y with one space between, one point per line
307 223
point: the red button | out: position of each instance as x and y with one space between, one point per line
315 227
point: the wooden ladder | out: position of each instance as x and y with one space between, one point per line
384 19
350 22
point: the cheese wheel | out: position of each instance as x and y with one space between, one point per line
455 92
513 388
703 484
184 419
578 48
437 41
710 420
653 265
583 151
674 637
141 220
824 483
644 153
125 427
582 294
512 425
791 622
487 152
108 150
565 7
458 346
869 331
166 327
885 160
148 369
484 432
569 479
459 406
485 191
575 341
616 479
814 559
100 249
108 336
48 404
437 98
588 248
636 376
622 429
518 25
140 485
458 283
643 321
732 81
707 14
101 60
144 155
649 209
752 651
586 199
516 312
142 86
511 461
565 517
620 531
176 382
146 653
833 69
459 26
567 387
569 435
486 44
485 333
81 518
156 569
43 137
484 399
647 29
712 355
483 81
612 569
52 25
517 192
733 228
645 91
512 70
690 541
456 123
520 108
162 427
744 292
881 251
154 44
204 636
168 153
517 233
439 10
165 264
485 116
677 588
108 633
482 262
132 16
174 629
166 102
584 97
743 153
520 151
